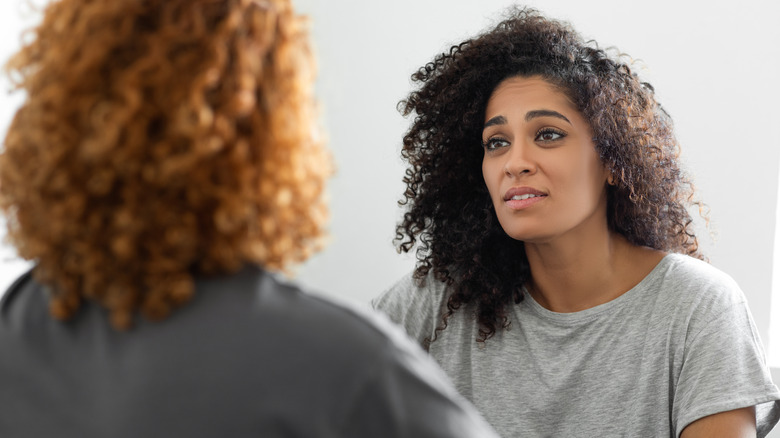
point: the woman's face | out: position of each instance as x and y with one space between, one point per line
540 166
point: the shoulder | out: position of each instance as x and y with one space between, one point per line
408 291
704 305
415 305
698 284
715 347
689 269
388 371
25 299
264 301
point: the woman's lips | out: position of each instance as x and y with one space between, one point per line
518 198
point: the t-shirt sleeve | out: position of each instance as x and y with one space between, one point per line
413 306
406 394
724 368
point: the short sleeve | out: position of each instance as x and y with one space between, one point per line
724 368
414 307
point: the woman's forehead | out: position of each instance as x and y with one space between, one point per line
521 92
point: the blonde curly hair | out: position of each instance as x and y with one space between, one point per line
161 139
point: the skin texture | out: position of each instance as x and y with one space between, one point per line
739 423
546 153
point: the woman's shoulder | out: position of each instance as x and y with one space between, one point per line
409 288
414 303
688 266
685 281
411 292
688 271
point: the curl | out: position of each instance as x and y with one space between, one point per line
160 140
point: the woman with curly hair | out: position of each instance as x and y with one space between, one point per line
164 162
559 280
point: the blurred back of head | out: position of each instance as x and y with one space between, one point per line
161 139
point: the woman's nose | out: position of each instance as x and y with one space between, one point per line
520 160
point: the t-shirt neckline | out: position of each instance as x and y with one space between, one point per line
588 314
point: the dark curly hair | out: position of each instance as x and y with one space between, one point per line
450 217
160 139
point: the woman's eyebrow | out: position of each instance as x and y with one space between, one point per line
497 120
545 113
501 120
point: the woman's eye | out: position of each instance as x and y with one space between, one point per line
549 134
494 143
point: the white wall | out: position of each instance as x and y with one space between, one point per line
14 17
774 325
714 66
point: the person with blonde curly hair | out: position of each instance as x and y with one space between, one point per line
559 280
164 164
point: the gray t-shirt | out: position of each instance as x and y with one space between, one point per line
248 356
677 347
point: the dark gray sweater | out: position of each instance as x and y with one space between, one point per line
248 356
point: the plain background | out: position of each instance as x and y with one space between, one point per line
714 65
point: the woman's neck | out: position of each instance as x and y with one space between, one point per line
570 276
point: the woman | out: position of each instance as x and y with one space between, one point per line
160 168
558 280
